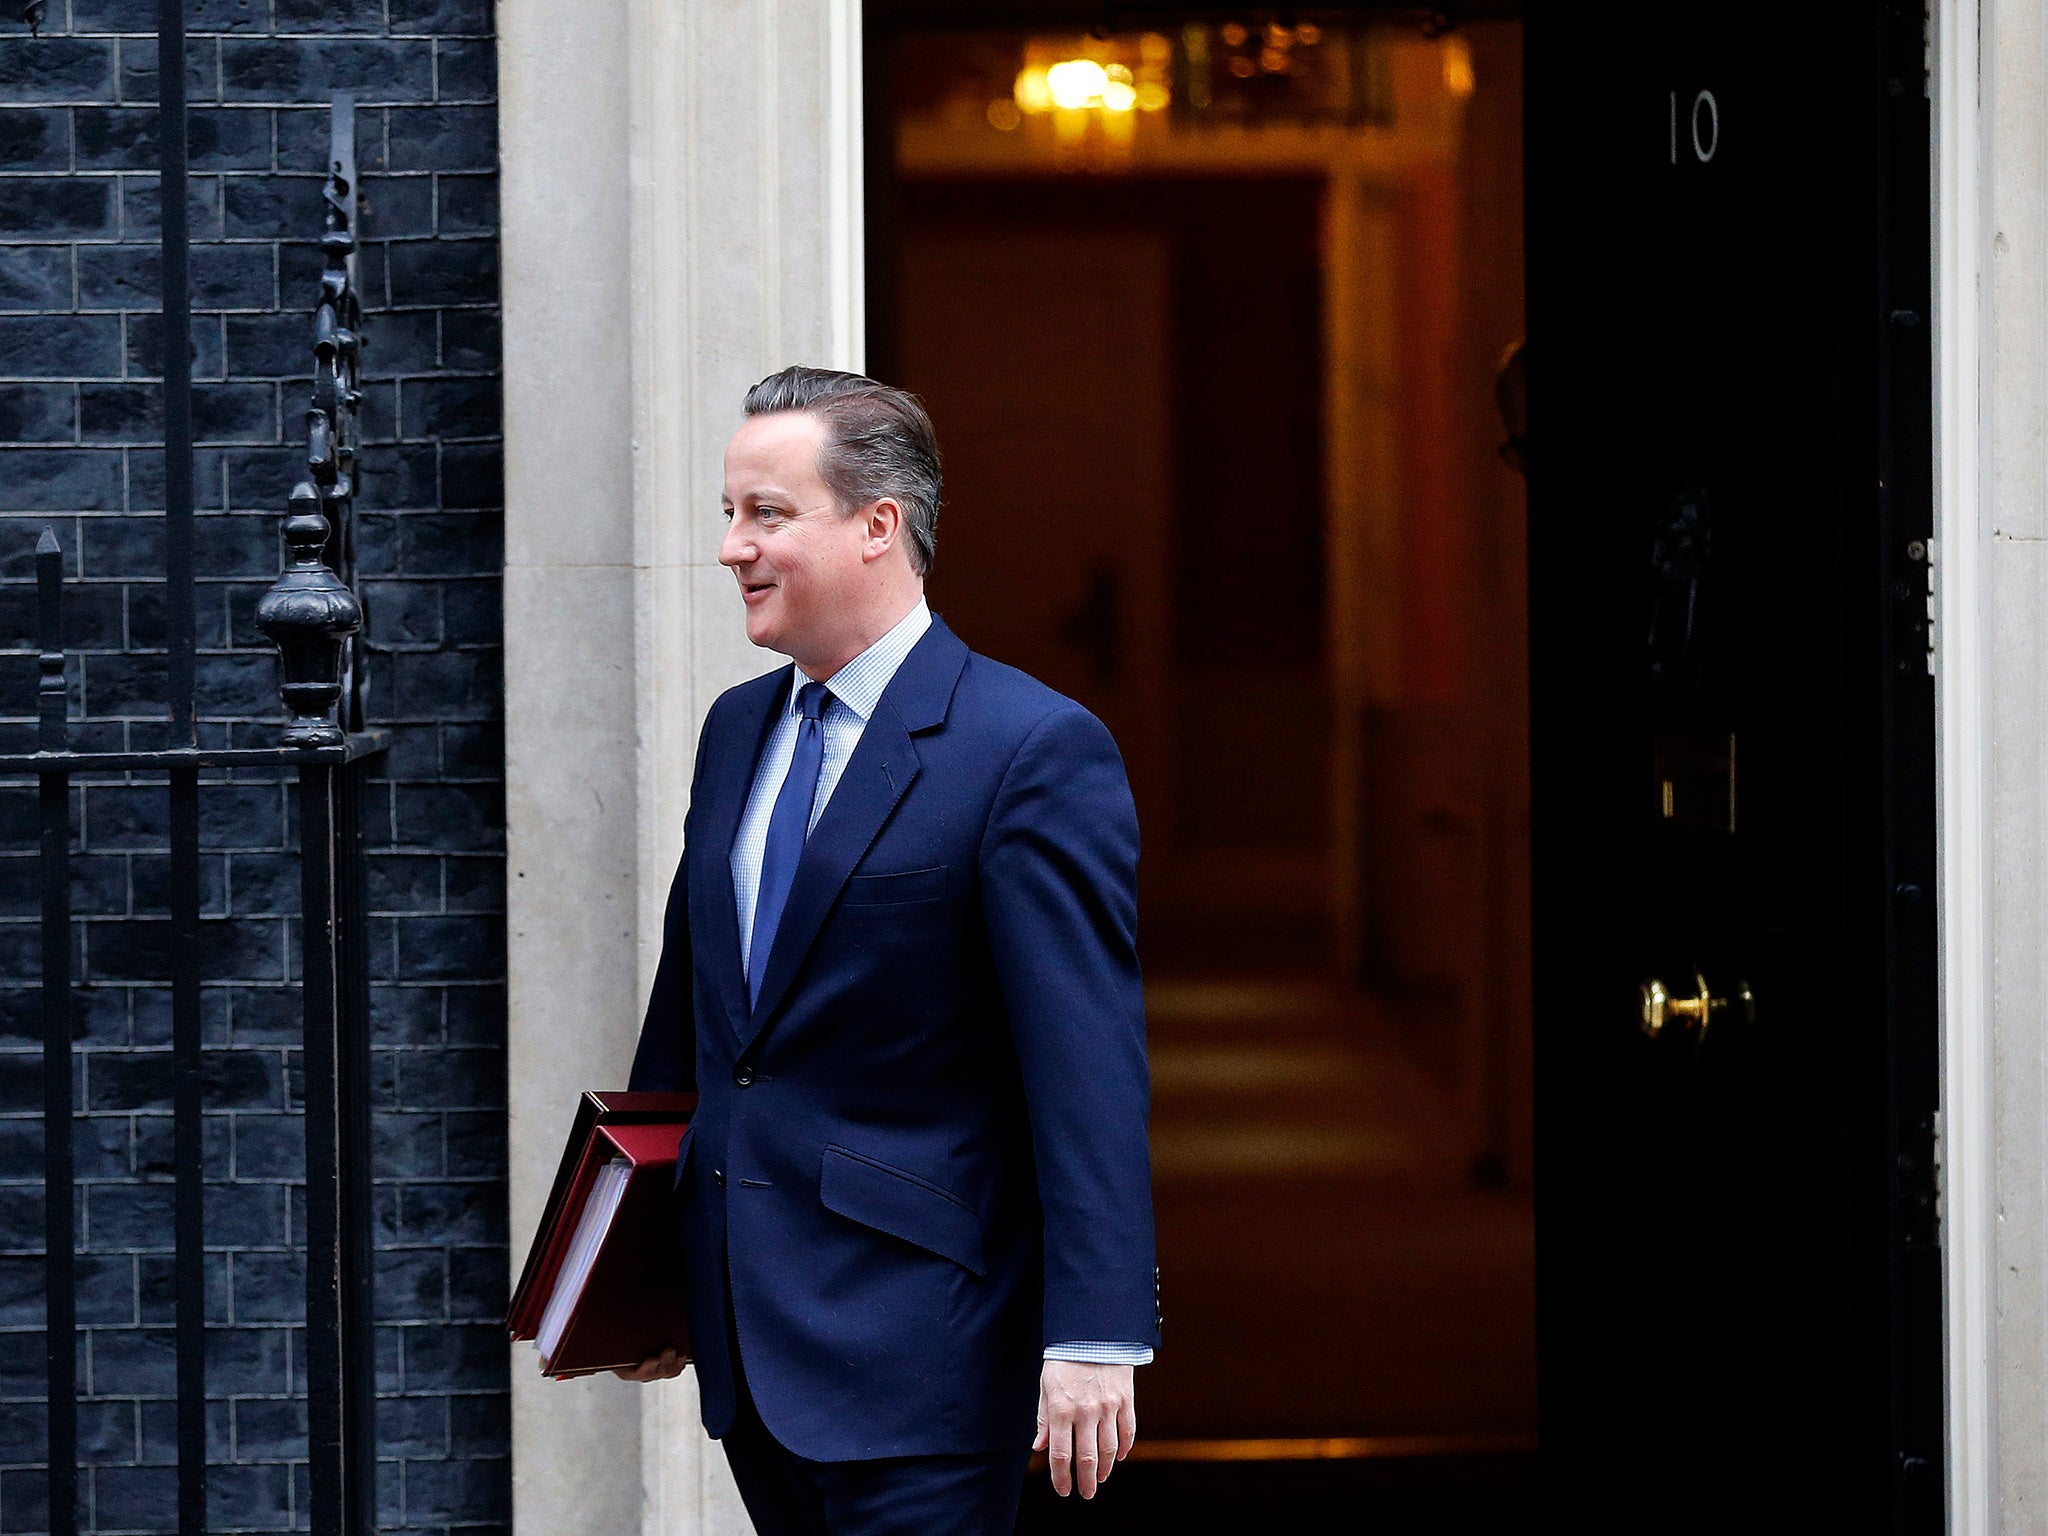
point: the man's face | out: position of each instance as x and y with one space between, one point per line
796 553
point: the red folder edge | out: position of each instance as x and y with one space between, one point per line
620 1317
573 1179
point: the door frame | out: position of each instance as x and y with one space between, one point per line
1967 1138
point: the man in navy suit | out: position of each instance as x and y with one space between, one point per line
900 970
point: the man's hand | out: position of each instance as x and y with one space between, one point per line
654 1368
1087 1419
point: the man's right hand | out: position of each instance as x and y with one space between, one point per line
654 1368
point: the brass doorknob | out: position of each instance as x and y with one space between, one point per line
1696 1012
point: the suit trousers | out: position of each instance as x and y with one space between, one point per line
791 1495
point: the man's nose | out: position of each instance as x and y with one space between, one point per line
737 547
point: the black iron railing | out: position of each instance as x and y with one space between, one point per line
314 615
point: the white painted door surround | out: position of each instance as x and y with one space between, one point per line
682 215
681 207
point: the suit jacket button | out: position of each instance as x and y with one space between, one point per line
743 1075
718 1177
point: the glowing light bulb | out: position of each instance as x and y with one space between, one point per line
1031 92
1117 96
1459 79
1076 83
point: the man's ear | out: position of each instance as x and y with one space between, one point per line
883 527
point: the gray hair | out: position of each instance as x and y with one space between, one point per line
878 443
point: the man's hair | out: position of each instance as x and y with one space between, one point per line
878 442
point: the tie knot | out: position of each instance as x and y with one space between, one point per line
811 700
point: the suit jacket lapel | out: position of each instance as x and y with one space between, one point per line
875 779
730 780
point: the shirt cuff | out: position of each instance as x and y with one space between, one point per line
1093 1352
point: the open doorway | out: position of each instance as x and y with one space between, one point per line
1212 318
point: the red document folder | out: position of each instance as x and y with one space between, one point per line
603 1283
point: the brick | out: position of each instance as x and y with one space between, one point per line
125 1217
452 1079
445 272
264 883
24 1498
317 16
458 1358
398 475
270 1287
402 884
244 1360
108 1290
451 817
403 615
467 71
273 1428
438 1491
60 346
55 69
138 70
254 1497
270 1146
133 1498
115 687
108 1433
120 413
226 413
475 1144
61 479
414 1426
468 204
470 339
397 207
445 685
412 1284
140 15
34 140
408 1146
473 751
452 544
216 138
34 277
261 479
478 1284
51 207
145 355
275 70
38 413
444 138
442 17
24 1428
133 1362
265 1015
451 408
267 346
141 206
271 208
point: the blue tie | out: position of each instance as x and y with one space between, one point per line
788 826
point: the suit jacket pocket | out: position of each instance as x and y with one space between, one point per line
890 890
902 1205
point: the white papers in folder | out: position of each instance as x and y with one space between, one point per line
606 1191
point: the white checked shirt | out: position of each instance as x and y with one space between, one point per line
854 691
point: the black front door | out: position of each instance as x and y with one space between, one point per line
1733 741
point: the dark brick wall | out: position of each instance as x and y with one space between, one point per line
80 348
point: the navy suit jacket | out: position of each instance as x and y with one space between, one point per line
922 1156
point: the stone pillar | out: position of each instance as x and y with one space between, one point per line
681 215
